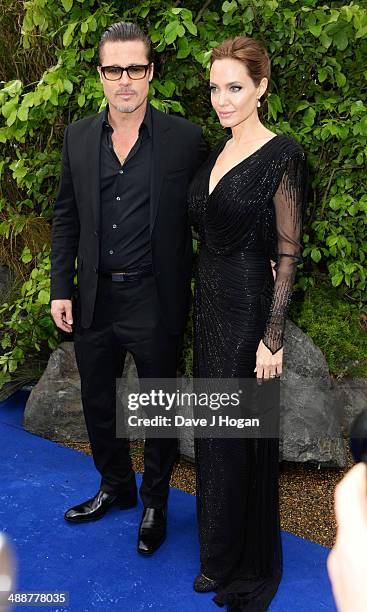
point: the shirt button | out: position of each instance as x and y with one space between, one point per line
114 226
111 252
121 171
118 198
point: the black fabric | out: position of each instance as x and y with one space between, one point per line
178 149
253 214
126 318
125 194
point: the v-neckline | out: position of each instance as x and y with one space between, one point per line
236 165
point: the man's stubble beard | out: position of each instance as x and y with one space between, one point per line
130 108
126 109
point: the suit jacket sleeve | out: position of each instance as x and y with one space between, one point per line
65 232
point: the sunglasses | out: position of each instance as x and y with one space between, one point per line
134 72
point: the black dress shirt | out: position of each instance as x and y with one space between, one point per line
125 201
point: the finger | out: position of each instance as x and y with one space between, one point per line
68 314
61 324
259 375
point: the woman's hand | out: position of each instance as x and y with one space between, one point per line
267 364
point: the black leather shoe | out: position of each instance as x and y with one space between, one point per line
93 509
202 584
152 530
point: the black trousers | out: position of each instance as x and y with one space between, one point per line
126 318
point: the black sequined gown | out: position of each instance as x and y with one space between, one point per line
253 215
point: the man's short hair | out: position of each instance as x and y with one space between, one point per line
123 31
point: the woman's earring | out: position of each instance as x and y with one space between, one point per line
258 103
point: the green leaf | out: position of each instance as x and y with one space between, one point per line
26 255
322 74
46 94
315 30
170 32
13 87
341 39
43 297
67 4
9 107
315 255
29 99
302 105
6 342
54 98
309 117
184 48
191 27
144 12
23 113
336 279
340 79
228 7
81 99
68 86
84 27
93 24
248 15
325 40
274 105
12 117
68 34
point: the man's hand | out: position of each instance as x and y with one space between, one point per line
61 312
347 562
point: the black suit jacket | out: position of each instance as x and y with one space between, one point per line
178 149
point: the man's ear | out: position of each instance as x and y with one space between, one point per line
100 74
151 72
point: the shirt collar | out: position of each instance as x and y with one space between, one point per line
147 121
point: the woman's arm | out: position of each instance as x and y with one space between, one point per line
289 203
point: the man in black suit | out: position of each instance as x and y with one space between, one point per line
121 210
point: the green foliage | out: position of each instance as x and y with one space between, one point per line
318 95
27 329
336 326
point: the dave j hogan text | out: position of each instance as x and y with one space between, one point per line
216 420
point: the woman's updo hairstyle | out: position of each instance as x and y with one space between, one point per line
249 51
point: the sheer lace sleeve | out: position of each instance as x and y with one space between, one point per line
289 203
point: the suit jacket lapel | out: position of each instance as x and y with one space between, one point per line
93 156
160 156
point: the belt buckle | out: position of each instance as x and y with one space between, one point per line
123 277
118 277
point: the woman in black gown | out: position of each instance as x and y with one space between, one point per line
246 204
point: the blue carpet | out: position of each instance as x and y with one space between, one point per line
96 562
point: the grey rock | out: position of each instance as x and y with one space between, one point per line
310 422
351 400
54 409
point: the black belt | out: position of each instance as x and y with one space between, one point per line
123 277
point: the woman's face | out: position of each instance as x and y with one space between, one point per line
233 93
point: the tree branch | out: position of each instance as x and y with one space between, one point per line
202 11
